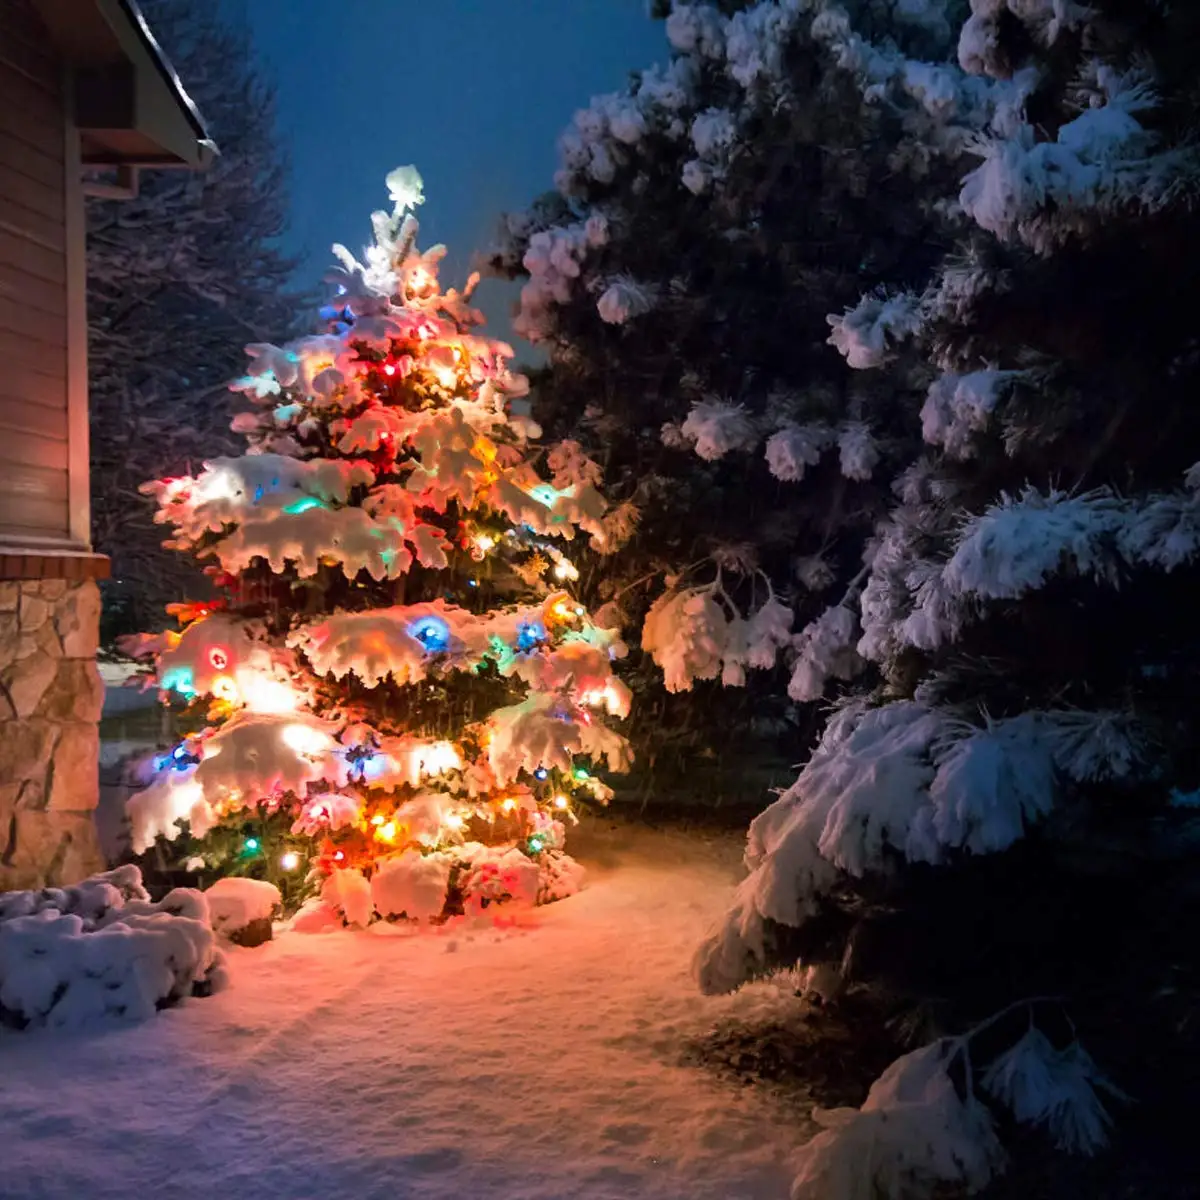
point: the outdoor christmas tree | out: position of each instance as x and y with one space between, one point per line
395 696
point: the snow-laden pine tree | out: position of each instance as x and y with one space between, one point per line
707 218
398 699
179 278
1007 813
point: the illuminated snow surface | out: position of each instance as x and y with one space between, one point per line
543 1061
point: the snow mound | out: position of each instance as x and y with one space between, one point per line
100 950
90 899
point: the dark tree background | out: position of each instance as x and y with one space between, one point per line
179 280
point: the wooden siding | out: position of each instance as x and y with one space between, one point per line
35 300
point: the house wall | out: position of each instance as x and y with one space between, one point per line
50 692
35 301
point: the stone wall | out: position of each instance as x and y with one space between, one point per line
50 702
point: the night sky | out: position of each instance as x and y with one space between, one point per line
474 92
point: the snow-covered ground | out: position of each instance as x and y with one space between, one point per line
542 1061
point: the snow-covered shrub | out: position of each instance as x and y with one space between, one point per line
236 904
491 878
101 950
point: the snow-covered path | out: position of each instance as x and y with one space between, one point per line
536 1062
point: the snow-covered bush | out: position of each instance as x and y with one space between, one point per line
236 905
102 950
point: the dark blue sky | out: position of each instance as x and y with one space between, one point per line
474 92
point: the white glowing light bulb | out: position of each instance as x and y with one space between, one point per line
436 759
289 861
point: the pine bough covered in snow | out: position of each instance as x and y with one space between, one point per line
929 1121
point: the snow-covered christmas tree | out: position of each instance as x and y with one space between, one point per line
396 697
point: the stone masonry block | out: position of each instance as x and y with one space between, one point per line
77 618
75 775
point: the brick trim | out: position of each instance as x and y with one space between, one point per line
34 564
